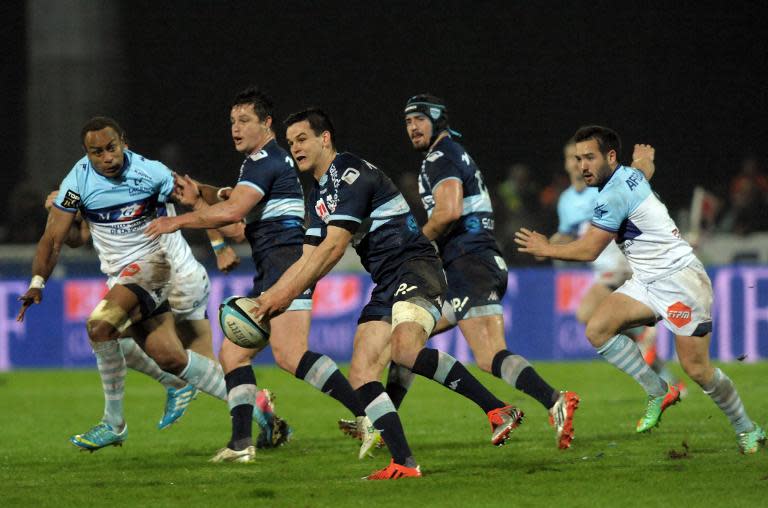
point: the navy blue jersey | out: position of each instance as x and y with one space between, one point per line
278 219
473 231
357 196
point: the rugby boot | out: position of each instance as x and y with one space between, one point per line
395 472
99 436
561 418
176 403
656 406
503 421
229 455
750 442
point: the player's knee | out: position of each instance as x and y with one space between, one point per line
598 332
583 315
107 321
171 360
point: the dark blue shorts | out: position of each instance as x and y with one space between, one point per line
476 284
271 266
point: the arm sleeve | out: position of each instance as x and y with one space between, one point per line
259 175
610 210
354 201
316 230
439 169
69 199
164 178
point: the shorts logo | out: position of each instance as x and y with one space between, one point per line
458 303
679 314
71 200
130 270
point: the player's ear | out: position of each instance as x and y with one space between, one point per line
611 156
268 122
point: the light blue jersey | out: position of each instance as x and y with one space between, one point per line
645 232
574 212
118 210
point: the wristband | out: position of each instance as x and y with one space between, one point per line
37 282
218 245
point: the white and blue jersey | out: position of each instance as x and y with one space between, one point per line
473 231
278 219
645 232
357 196
118 210
574 212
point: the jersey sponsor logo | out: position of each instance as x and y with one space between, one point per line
679 314
434 156
465 158
599 211
130 270
322 211
350 175
71 199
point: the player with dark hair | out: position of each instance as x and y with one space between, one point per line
461 224
668 283
355 202
611 269
269 197
118 192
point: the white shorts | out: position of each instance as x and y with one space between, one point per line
152 274
190 289
682 300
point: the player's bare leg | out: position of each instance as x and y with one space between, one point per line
693 353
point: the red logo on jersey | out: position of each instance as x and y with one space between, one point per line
322 210
130 270
679 314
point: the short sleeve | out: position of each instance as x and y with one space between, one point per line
611 209
259 174
163 179
355 193
439 168
69 197
315 231
564 226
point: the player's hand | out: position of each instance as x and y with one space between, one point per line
532 242
185 190
32 296
161 226
226 259
50 199
643 152
271 303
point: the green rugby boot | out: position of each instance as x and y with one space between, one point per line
750 442
656 406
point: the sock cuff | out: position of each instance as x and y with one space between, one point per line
308 359
426 362
240 376
615 341
369 391
498 359
717 377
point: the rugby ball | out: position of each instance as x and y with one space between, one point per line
239 325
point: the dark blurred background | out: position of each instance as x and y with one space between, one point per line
519 78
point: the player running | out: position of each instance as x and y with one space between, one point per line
188 299
461 224
118 192
611 269
269 197
354 202
669 283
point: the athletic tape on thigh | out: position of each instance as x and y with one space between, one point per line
407 312
111 313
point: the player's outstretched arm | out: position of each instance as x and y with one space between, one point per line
46 256
642 159
449 203
314 264
586 248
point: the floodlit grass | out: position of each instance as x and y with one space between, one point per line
608 465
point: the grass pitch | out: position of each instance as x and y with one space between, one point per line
691 460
